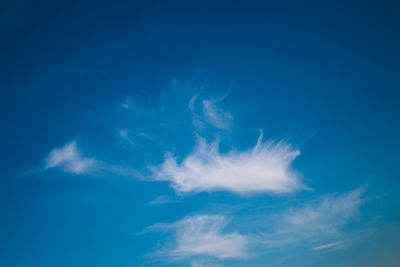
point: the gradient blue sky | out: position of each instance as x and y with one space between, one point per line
199 133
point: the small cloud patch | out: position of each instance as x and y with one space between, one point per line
69 159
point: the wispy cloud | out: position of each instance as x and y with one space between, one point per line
69 159
312 225
210 113
202 235
325 217
265 168
215 116
157 123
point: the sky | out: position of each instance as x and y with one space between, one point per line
199 133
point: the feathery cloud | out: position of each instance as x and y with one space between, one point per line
265 168
202 235
315 223
211 113
323 218
328 215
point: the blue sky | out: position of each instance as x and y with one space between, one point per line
199 133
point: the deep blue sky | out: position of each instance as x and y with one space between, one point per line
112 82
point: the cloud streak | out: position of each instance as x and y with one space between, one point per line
329 245
265 168
162 200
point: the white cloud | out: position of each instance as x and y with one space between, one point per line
202 235
320 219
328 215
265 168
69 159
210 113
197 119
215 116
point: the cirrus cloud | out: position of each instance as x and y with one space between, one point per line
203 235
265 168
319 220
69 159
